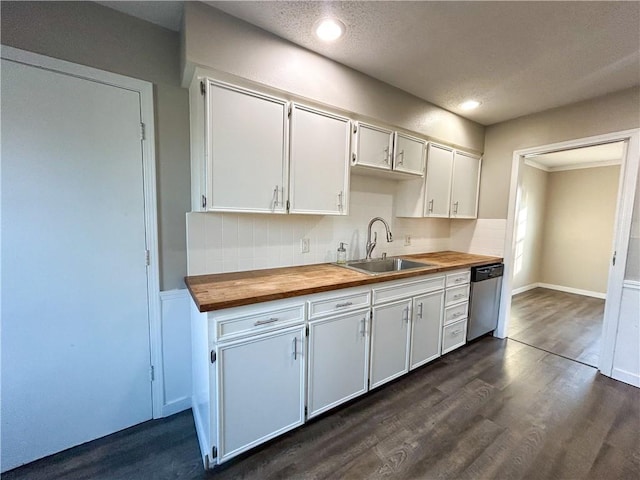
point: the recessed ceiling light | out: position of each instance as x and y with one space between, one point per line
470 105
330 29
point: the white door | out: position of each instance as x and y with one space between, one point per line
390 341
261 395
338 360
464 188
438 186
319 162
75 326
409 154
426 329
247 166
374 146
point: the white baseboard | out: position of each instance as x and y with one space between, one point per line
526 288
577 291
626 377
176 406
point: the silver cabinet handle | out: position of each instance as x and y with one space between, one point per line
431 206
364 327
456 333
264 322
386 155
401 159
276 191
344 304
458 314
295 348
405 312
459 295
420 310
455 208
340 204
459 279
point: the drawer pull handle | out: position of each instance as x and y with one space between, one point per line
459 279
456 333
264 322
344 304
460 295
458 314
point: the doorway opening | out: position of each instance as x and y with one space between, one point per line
564 229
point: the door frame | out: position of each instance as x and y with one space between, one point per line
145 91
622 231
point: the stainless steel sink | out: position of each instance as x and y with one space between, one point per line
385 265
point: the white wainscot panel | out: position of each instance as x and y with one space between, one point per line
176 351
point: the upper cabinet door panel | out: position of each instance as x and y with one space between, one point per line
464 189
319 162
438 183
409 154
373 146
247 139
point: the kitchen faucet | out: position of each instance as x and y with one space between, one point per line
371 245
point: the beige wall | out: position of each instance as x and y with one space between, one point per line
218 41
579 222
610 113
530 222
90 34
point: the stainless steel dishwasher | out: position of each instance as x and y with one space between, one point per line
486 283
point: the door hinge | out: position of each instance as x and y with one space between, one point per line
614 259
214 452
202 88
143 135
204 201
152 373
147 257
213 356
306 331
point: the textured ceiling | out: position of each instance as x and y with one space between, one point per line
515 57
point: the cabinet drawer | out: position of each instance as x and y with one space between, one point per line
258 321
347 302
456 295
403 289
455 313
454 336
458 278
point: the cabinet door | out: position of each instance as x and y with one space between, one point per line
438 183
338 360
246 146
409 154
426 329
390 341
464 189
261 389
373 146
319 162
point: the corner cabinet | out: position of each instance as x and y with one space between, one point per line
450 188
257 153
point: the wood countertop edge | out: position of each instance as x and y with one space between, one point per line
361 280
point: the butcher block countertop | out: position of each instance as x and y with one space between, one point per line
225 290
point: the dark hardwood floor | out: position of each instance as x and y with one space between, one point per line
562 323
496 409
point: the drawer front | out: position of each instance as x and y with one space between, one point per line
455 313
456 295
259 321
400 290
323 306
458 278
453 336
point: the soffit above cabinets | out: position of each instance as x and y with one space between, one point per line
516 58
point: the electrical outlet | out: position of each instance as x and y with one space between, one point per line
305 245
407 240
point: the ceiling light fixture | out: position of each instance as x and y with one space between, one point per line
470 105
330 29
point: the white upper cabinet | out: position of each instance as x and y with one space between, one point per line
373 146
438 181
408 156
319 153
246 140
383 150
465 185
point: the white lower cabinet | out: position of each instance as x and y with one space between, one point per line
390 329
338 360
426 328
261 389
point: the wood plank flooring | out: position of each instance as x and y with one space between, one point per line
496 409
562 323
